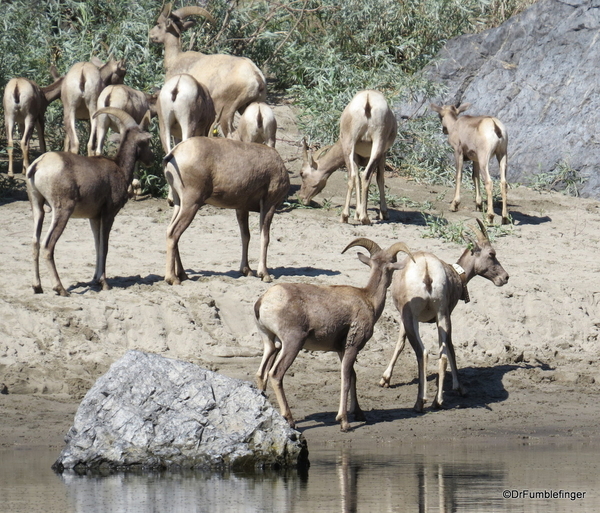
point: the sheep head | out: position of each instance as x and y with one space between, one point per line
174 22
313 181
484 258
128 127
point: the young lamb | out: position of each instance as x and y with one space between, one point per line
427 290
340 318
257 124
93 188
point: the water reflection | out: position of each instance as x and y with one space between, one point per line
438 478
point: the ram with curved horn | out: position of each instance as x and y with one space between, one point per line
339 318
233 82
93 188
427 290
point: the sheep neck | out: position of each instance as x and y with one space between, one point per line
376 289
332 160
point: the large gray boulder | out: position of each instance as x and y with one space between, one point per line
539 74
153 412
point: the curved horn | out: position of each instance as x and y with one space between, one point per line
368 244
166 11
482 234
126 121
318 154
194 10
395 248
304 150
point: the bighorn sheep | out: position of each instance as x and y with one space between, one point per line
367 130
25 103
427 290
139 105
185 109
227 174
257 124
81 88
233 82
340 318
476 138
94 188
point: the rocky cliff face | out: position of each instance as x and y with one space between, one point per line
539 74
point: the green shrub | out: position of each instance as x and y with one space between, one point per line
318 52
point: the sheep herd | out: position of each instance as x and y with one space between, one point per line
243 171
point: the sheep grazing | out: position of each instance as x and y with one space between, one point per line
185 109
139 105
427 290
257 124
227 174
340 318
233 82
81 88
367 130
25 103
94 188
476 138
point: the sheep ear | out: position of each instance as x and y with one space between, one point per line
435 107
364 259
306 157
471 243
463 107
146 121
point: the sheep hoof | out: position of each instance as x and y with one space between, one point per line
266 277
37 289
246 271
505 220
454 206
384 383
383 216
418 407
365 221
359 415
439 405
61 291
344 218
490 219
173 281
345 426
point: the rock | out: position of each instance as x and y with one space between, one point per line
153 412
537 73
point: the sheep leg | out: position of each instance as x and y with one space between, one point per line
502 163
92 107
41 135
182 218
477 184
269 355
351 166
347 375
489 189
287 354
383 209
71 140
27 133
458 158
101 228
387 374
354 408
102 123
37 206
411 325
242 218
60 217
265 236
9 126
446 356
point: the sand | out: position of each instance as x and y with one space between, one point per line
526 351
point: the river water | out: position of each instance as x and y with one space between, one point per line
441 478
